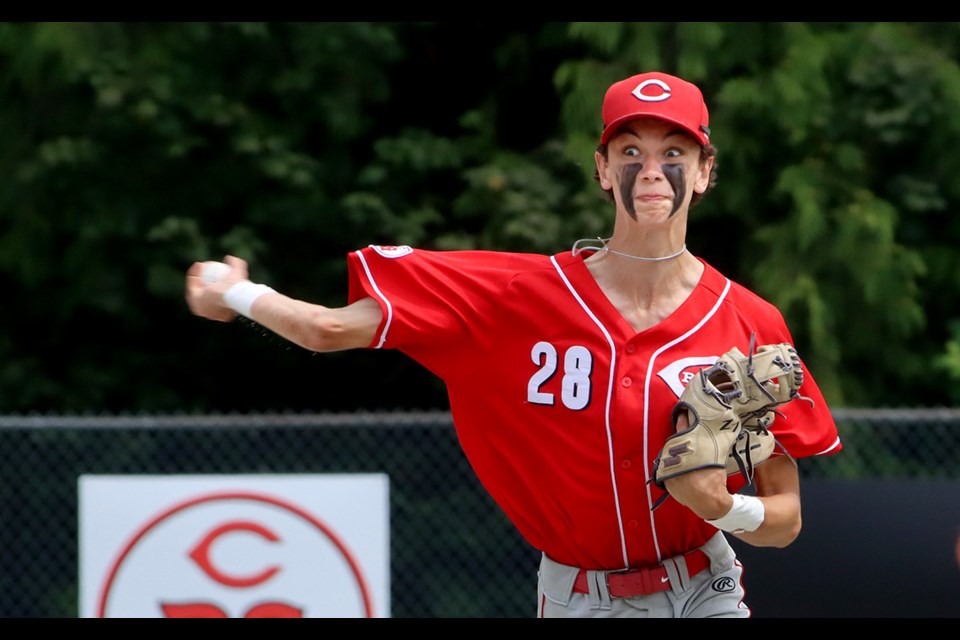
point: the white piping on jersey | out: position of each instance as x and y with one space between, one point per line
606 411
373 283
836 443
646 404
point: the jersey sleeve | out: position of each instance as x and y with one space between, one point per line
806 426
434 303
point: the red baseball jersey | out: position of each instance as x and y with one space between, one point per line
559 404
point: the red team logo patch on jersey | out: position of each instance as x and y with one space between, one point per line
390 251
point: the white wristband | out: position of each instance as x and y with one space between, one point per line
240 297
746 514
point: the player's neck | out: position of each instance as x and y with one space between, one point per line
645 293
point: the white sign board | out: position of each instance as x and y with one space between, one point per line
234 546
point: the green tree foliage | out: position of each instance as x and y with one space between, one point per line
135 148
132 149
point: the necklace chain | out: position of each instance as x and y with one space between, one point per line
644 258
603 247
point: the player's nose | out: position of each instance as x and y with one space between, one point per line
651 171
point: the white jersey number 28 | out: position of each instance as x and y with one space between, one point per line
575 386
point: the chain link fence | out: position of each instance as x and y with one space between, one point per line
452 553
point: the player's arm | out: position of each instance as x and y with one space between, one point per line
777 486
311 326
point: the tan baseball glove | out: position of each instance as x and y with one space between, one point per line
730 406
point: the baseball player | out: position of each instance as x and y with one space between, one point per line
563 372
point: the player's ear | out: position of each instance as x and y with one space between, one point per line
702 180
602 168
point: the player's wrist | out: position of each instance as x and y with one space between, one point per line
241 296
746 515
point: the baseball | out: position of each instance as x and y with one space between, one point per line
213 271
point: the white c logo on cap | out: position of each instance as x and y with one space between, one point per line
638 92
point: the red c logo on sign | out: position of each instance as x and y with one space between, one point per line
201 554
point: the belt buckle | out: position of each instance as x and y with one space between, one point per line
609 576
618 572
637 577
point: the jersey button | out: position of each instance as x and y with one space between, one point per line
631 348
632 524
626 464
627 381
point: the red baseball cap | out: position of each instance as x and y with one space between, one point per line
656 95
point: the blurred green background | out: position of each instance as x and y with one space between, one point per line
132 149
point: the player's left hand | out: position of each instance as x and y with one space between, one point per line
703 491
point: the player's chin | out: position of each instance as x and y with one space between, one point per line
652 212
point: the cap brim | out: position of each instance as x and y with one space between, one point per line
611 128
